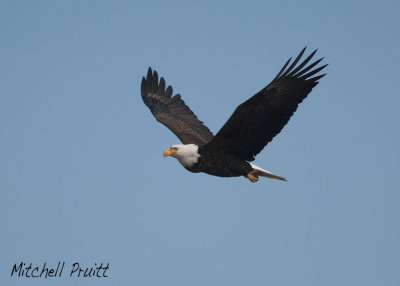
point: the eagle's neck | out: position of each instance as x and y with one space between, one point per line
187 154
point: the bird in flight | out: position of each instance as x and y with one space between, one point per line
253 124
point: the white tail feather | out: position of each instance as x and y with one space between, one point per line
264 173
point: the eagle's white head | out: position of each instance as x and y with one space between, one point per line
186 154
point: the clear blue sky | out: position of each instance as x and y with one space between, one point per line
83 179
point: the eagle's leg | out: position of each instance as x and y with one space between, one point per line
252 178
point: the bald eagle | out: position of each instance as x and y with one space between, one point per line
250 128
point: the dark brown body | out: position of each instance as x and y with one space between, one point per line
221 165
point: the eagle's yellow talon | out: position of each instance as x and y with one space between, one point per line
252 178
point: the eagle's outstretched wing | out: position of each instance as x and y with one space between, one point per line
256 121
172 111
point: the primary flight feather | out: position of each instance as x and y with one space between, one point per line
250 128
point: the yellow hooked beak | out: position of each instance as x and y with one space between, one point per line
168 152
